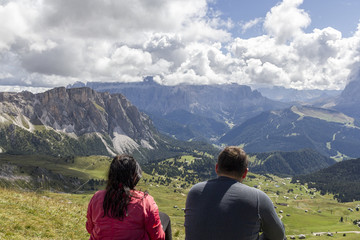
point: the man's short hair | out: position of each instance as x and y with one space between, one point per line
232 160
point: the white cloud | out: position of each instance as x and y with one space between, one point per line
13 23
319 45
130 64
54 43
250 24
75 39
130 21
64 60
11 88
321 59
285 21
167 46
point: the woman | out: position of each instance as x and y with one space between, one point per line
121 212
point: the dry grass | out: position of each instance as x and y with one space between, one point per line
29 215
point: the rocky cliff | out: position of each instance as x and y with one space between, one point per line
76 113
349 100
228 102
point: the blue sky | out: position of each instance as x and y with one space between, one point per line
302 44
342 15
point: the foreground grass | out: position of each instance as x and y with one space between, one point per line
48 215
307 212
29 215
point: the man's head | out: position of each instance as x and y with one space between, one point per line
232 162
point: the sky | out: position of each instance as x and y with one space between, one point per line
302 44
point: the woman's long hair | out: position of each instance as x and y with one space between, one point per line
124 174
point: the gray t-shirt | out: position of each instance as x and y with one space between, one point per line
224 208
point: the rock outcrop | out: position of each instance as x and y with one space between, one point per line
78 112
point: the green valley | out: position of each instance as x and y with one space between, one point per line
43 214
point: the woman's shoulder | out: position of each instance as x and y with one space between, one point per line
143 197
139 194
99 194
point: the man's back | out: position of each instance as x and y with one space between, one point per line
224 208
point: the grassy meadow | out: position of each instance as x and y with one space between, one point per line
47 215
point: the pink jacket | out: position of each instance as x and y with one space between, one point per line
142 221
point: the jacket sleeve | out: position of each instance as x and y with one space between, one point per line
89 222
273 228
152 219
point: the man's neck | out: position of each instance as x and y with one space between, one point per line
239 179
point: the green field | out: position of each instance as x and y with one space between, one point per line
48 215
323 114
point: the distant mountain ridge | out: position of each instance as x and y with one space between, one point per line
228 104
294 95
329 132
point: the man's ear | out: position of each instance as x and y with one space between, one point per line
245 173
216 168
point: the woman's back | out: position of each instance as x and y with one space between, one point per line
141 220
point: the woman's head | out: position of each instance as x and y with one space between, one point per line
124 174
124 171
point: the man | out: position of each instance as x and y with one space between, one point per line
224 208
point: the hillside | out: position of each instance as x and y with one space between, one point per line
46 215
349 100
80 122
187 126
82 173
289 163
341 179
331 133
57 174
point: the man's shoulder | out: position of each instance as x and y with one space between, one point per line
216 182
254 190
199 185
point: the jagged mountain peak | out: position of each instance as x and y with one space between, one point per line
349 100
80 111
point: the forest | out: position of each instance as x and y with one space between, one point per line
341 179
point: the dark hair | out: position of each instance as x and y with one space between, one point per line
232 160
124 174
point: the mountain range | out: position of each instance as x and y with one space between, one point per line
215 107
159 124
326 121
329 132
78 121
294 95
